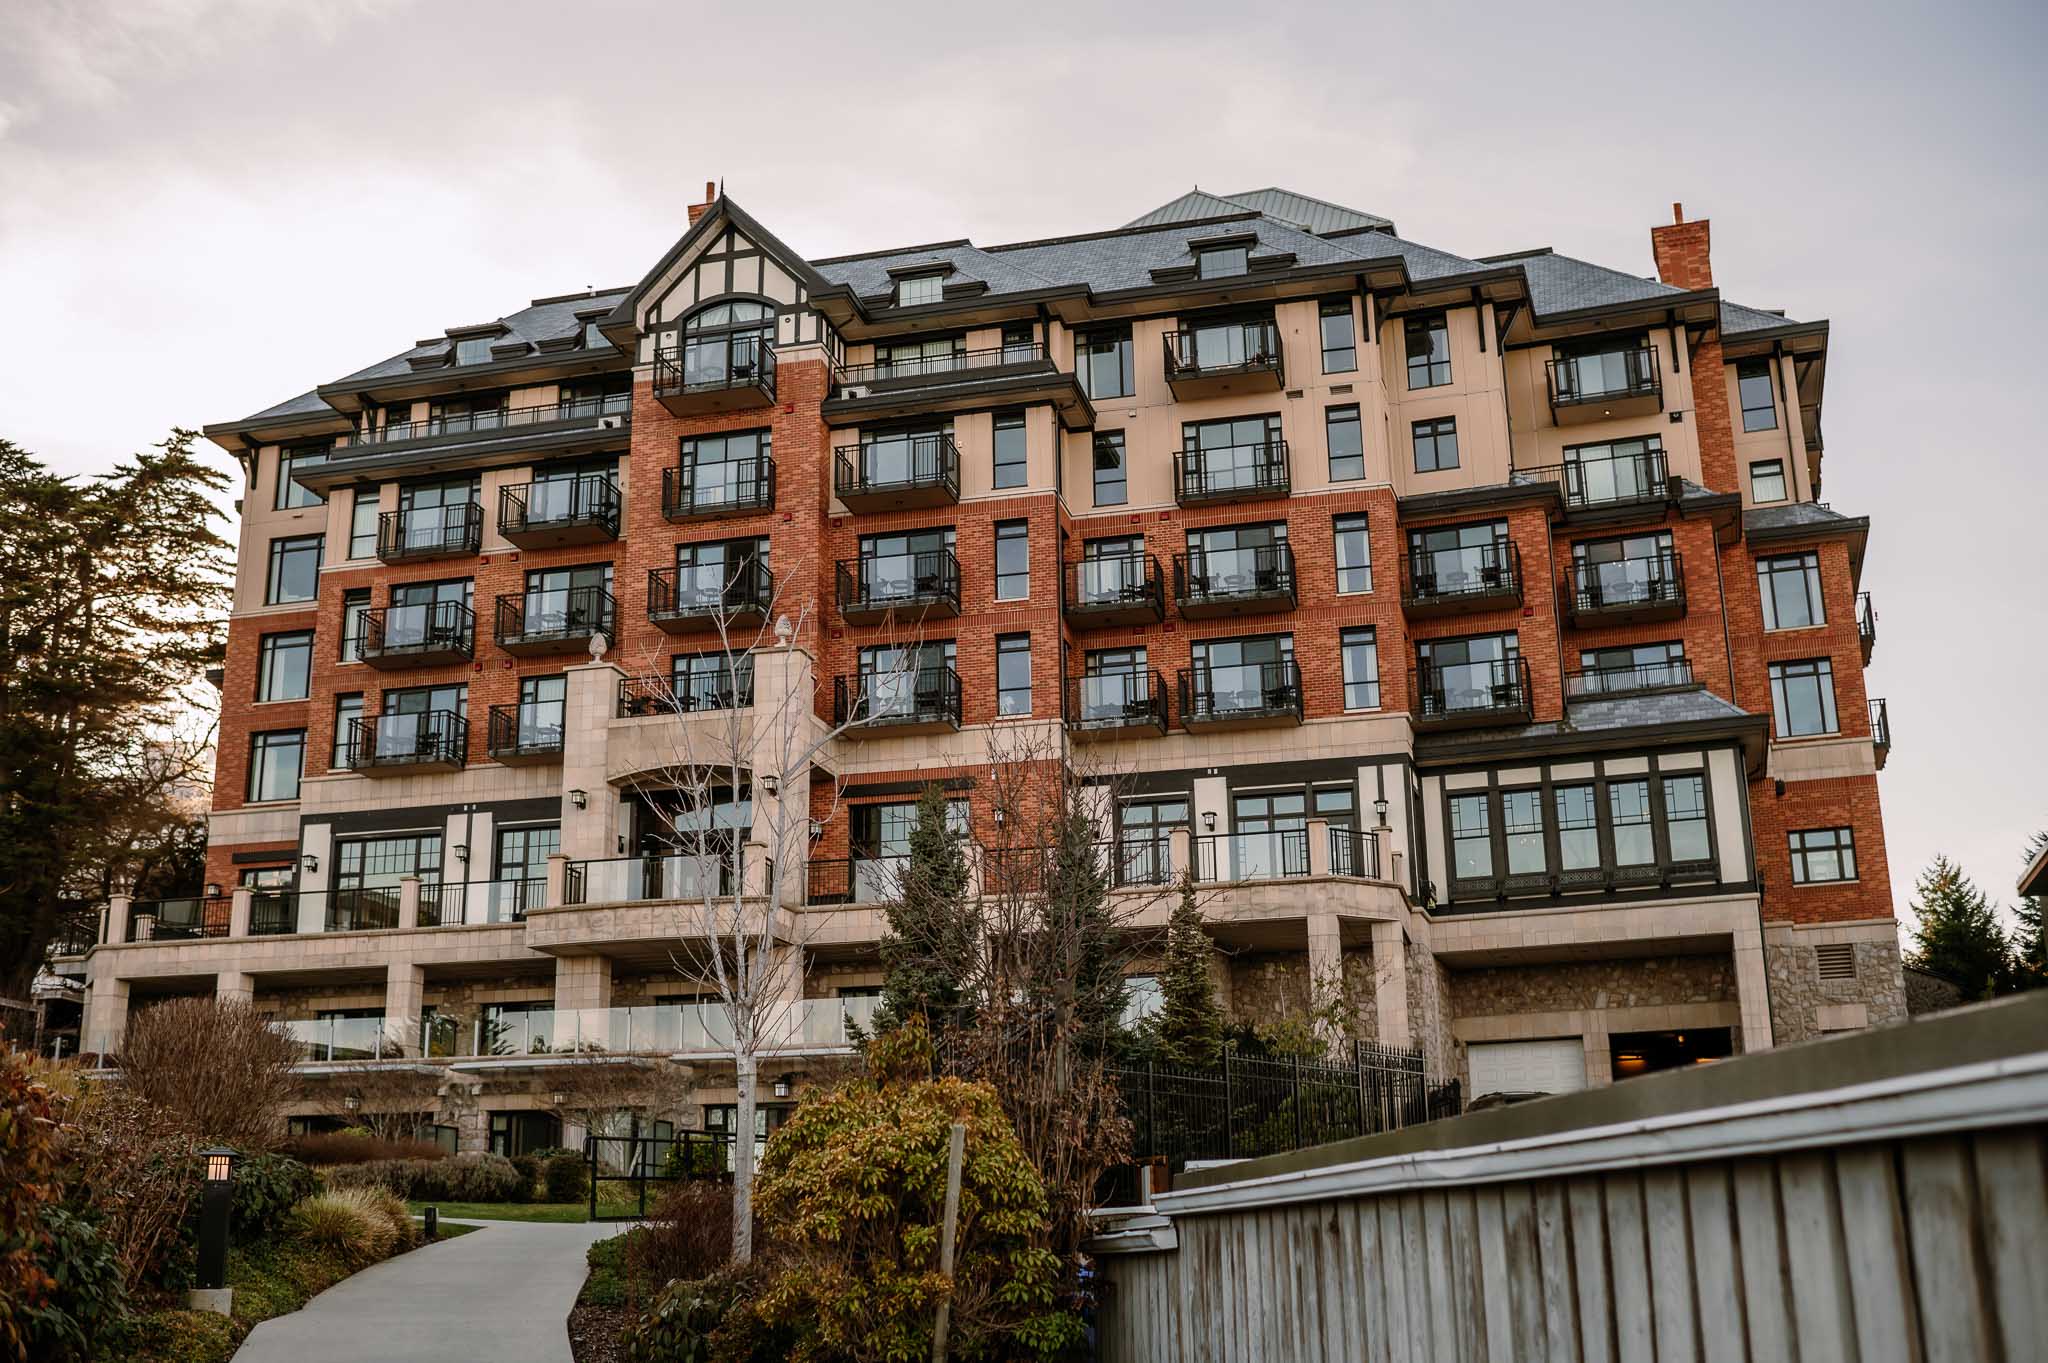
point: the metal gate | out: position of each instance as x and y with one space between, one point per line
622 1168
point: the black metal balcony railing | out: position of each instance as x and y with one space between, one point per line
1117 700
711 870
424 738
1627 586
1470 574
561 615
184 918
928 695
686 693
1594 682
430 532
1271 855
1226 577
1880 727
273 913
1114 589
959 366
1354 852
1231 473
1485 692
434 631
443 904
1217 694
557 504
527 729
1216 351
366 908
77 932
738 590
509 901
1610 376
496 419
1608 480
714 364
928 580
1866 623
724 487
924 464
1143 861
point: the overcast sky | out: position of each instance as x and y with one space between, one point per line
208 206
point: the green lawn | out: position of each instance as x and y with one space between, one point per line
505 1211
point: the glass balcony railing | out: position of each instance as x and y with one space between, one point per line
652 1028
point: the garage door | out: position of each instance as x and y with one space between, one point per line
1527 1066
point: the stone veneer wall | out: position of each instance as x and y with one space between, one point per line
1266 988
1568 986
1361 992
1798 993
1429 1014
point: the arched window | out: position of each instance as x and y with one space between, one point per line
728 343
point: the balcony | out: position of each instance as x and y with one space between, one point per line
186 919
429 533
433 634
1240 696
897 475
562 620
1880 730
694 491
1277 854
716 374
901 587
1019 373
390 745
1211 583
559 511
1626 591
273 913
681 600
1220 361
1470 695
642 1028
1613 383
1113 589
922 701
609 412
1598 683
1866 625
686 693
366 908
528 732
1595 489
1231 473
1112 705
676 875
331 1040
1479 577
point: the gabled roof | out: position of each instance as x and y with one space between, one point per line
1304 211
541 324
723 210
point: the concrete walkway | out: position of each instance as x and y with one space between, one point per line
502 1293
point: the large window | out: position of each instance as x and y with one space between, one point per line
355 604
727 344
1340 337
1617 471
1685 817
1473 673
1102 359
1354 553
1790 587
284 666
1823 854
1578 827
1013 560
1111 486
1346 440
1471 837
1012 465
1251 674
347 710
726 469
289 493
1631 667
1759 401
1521 824
1013 674
1429 351
920 289
1221 262
1628 809
1629 569
1436 444
275 761
1803 697
1767 480
362 523
1361 669
1624 830
294 569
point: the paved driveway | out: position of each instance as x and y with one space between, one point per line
501 1294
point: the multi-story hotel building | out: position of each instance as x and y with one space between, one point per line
1474 627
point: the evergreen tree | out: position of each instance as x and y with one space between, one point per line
2029 944
1959 937
928 947
1081 969
1190 1025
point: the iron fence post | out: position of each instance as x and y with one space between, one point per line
1358 1080
1295 1101
1229 1113
1151 1111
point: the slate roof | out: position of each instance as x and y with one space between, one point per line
1736 319
868 276
540 321
308 403
1797 516
1606 714
1284 205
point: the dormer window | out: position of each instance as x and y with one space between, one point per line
474 349
1221 262
593 339
912 290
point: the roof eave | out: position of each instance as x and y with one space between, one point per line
247 434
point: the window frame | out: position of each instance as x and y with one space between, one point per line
286 494
1441 428
1368 688
263 742
1823 668
1777 467
1122 482
268 648
1354 522
1334 417
343 712
1010 534
1327 310
1841 847
1427 323
282 545
935 278
1746 371
1804 564
1006 421
370 500
1010 648
1089 344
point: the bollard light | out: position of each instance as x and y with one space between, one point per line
216 1196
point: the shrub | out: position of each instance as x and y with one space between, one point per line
694 1159
186 1336
267 1187
568 1177
356 1147
404 1234
219 1066
688 1236
28 1178
607 1284
86 1296
712 1318
350 1223
456 1178
132 1172
529 1170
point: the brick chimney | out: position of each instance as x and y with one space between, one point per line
711 196
1683 252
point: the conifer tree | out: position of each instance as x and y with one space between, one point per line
2029 944
928 947
1190 1024
1959 937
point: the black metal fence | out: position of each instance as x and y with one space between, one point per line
622 1168
1253 1106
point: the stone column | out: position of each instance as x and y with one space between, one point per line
1325 956
408 901
592 832
118 909
583 994
234 986
1181 850
239 908
106 1014
558 878
1390 983
785 684
1752 989
1318 860
405 995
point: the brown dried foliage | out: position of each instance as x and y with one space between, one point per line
218 1066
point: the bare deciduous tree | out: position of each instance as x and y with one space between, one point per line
217 1065
391 1101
